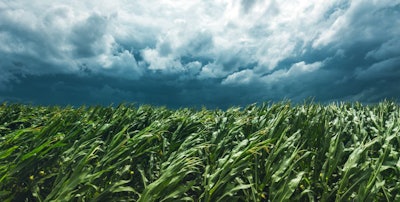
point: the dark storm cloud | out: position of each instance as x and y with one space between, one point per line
67 89
386 70
86 37
197 53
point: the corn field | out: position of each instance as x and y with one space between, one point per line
268 152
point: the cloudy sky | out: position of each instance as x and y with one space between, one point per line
213 53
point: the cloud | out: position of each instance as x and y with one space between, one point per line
239 78
387 69
164 63
212 70
386 50
362 22
5 78
295 71
89 38
268 50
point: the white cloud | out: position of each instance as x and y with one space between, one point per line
361 22
167 63
122 64
246 76
263 32
191 70
212 70
293 72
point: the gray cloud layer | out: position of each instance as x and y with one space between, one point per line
213 53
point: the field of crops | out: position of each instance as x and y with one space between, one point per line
270 152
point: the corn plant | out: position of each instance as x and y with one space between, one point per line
266 152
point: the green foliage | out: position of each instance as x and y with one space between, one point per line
278 152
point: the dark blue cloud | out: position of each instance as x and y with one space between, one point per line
86 37
215 54
68 89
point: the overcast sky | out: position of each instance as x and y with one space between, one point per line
213 53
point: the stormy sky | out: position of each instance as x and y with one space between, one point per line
213 53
